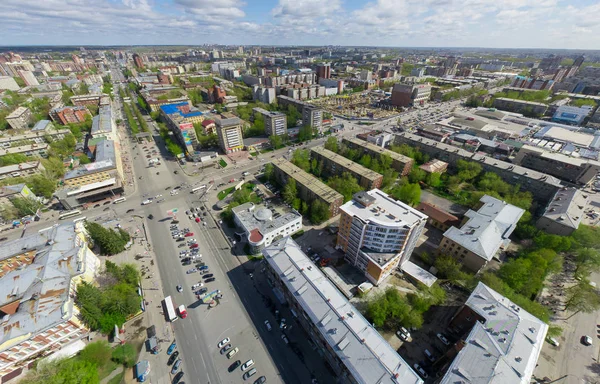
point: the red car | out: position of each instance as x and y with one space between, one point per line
197 219
189 234
194 246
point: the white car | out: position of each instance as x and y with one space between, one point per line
223 342
247 364
443 339
197 285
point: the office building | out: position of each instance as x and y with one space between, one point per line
137 59
335 165
351 346
180 120
28 77
19 118
577 170
324 71
229 132
39 275
264 94
402 164
312 116
572 115
502 341
262 227
564 213
275 122
408 95
483 233
309 187
8 83
378 233
69 115
541 185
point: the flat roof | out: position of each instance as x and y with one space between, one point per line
308 181
41 125
418 273
20 167
263 111
17 113
347 163
103 122
504 349
488 228
437 214
374 148
362 350
261 218
171 109
518 101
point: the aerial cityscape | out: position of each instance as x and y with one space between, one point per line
299 192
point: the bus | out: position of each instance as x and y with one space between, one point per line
194 190
69 214
169 309
119 200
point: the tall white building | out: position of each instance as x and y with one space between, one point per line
378 234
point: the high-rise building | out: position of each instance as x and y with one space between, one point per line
406 95
275 122
229 132
378 233
313 116
264 94
137 59
324 71
578 61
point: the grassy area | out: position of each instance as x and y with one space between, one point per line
224 193
107 369
266 150
222 163
254 154
118 378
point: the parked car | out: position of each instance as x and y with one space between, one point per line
176 366
225 349
179 288
197 285
173 357
188 234
247 365
285 339
178 377
429 355
234 366
443 339
268 325
586 340
249 374
201 291
171 347
209 280
420 371
222 343
553 341
232 353
260 380
208 275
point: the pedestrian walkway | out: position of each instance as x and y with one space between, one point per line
112 374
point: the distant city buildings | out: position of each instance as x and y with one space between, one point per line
378 233
70 115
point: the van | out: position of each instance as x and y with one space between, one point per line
250 373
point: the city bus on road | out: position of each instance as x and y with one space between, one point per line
119 200
72 213
194 190
169 309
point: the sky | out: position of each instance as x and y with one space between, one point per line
570 24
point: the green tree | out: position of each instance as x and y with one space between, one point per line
26 206
98 353
290 192
63 372
332 144
125 354
305 133
109 241
293 116
8 212
582 297
276 141
417 175
587 260
269 172
301 158
434 179
345 184
319 212
408 193
468 170
41 186
450 269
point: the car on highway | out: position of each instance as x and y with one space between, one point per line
173 357
222 343
443 339
268 325
249 374
179 288
247 365
171 347
176 366
178 377
225 349
234 366
209 280
420 371
232 353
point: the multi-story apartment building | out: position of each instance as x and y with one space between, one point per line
229 132
137 59
324 71
312 116
378 234
564 213
275 122
37 136
516 105
402 164
8 83
542 186
28 77
352 347
39 274
83 100
572 169
261 227
19 118
21 170
334 164
264 94
406 95
309 187
69 115
483 233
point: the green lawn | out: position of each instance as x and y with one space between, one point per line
267 150
222 163
224 193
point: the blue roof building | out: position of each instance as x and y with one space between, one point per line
572 115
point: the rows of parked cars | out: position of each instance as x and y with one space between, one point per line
175 361
226 348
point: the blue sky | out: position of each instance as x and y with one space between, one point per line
400 23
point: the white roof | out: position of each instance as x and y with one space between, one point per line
488 228
364 352
504 349
418 273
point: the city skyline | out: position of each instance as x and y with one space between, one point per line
469 23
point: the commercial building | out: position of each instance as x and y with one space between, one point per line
69 115
402 164
352 347
502 341
407 95
572 115
541 185
521 106
264 94
39 274
335 165
229 132
262 227
482 234
564 213
378 233
19 118
180 120
576 170
8 83
24 169
103 124
275 122
309 187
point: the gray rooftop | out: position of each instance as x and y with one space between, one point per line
41 125
105 159
103 122
567 207
261 218
105 150
504 349
364 352
488 228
